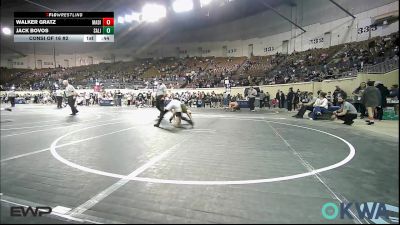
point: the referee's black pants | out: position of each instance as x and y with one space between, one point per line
251 103
160 103
289 106
59 102
71 103
12 101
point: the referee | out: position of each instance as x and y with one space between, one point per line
160 94
71 95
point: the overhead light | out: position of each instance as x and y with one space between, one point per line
136 16
153 12
204 3
6 30
182 5
121 19
128 18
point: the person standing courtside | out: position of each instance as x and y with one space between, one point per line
160 94
384 94
281 100
262 99
11 97
278 96
290 98
267 100
371 99
71 95
251 94
358 93
119 98
59 98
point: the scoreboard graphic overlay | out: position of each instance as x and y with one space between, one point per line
63 26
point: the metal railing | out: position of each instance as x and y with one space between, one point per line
384 67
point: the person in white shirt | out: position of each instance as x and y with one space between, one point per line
11 97
59 98
129 98
87 98
252 93
176 106
320 106
71 95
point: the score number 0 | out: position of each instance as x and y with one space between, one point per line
108 21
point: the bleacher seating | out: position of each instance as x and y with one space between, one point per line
311 65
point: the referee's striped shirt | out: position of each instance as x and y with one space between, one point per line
69 90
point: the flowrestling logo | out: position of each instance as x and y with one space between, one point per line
375 212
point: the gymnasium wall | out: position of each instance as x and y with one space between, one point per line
347 84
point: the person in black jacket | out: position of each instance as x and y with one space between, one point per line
267 100
371 99
357 93
384 94
290 99
262 99
282 100
296 99
119 98
278 96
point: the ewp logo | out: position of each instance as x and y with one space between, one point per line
20 211
378 213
